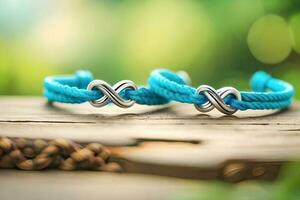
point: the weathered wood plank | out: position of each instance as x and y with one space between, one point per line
175 140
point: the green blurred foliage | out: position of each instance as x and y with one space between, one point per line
216 42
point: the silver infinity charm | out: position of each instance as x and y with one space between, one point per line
216 99
111 93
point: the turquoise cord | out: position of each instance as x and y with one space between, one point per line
72 89
268 92
165 86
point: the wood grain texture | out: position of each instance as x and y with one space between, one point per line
173 140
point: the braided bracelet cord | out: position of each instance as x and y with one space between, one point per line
268 92
72 89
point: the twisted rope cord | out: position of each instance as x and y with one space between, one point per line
72 89
63 154
268 92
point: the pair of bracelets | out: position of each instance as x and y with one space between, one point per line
165 86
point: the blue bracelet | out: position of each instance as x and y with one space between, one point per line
81 87
269 93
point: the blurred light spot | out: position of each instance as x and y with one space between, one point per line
57 35
17 17
295 30
73 33
269 39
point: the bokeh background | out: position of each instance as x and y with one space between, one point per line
216 42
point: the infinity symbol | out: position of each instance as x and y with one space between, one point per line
111 93
216 99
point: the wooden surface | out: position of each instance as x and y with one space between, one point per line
58 185
174 140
